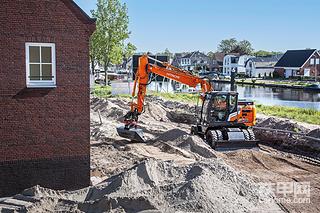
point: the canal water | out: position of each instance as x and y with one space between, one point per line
276 96
261 95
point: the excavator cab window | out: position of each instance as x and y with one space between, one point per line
219 109
205 107
232 102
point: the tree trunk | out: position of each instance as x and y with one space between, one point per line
105 74
106 65
92 65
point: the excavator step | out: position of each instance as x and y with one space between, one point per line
236 145
134 134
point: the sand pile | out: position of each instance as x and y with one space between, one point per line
205 186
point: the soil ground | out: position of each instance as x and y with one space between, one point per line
176 172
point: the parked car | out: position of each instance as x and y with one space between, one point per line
210 75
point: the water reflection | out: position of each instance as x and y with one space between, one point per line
276 96
263 95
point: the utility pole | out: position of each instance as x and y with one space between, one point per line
315 68
233 76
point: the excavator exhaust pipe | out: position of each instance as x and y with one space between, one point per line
134 134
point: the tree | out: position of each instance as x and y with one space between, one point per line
245 47
107 42
129 50
266 53
211 55
227 45
233 46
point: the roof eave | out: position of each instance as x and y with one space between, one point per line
309 58
287 67
79 13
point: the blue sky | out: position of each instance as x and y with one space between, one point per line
187 25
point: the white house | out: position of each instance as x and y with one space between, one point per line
261 66
236 62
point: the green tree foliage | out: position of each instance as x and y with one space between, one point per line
129 50
233 46
107 42
245 47
227 45
211 55
266 53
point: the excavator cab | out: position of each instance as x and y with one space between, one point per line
218 107
224 121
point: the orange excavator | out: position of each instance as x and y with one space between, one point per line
223 121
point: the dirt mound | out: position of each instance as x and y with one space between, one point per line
282 124
287 141
157 186
314 133
195 145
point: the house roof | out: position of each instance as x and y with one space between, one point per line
273 58
295 58
219 56
78 12
265 61
189 55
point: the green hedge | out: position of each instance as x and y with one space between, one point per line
311 116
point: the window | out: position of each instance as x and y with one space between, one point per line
312 61
40 65
317 61
234 60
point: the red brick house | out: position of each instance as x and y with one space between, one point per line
44 95
299 63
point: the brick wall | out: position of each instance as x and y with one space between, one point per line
44 133
312 67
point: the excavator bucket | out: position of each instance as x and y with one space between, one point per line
134 134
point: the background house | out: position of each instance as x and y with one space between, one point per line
298 63
44 95
218 58
195 61
235 62
261 66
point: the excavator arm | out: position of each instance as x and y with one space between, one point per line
141 83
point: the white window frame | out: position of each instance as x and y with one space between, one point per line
317 61
312 61
41 83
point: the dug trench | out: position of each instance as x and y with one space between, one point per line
176 172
